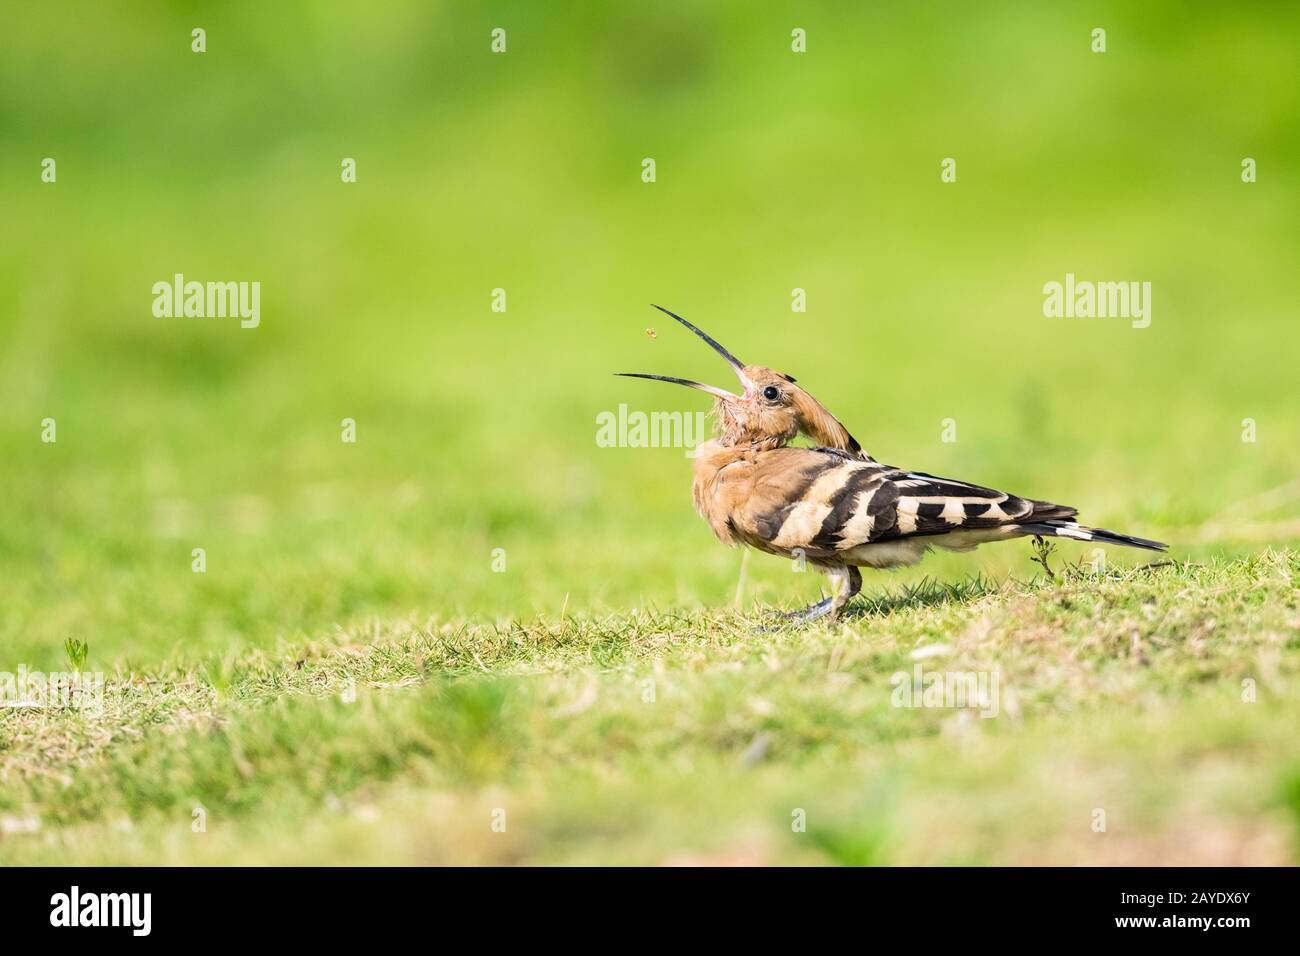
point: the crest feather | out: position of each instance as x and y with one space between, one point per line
823 427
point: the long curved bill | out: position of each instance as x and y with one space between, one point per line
711 389
737 366
717 346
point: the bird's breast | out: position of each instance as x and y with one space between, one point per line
724 480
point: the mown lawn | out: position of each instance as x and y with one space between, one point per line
1137 716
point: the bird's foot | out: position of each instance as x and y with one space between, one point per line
813 611
806 615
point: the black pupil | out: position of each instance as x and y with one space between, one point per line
770 393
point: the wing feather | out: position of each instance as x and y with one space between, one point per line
821 502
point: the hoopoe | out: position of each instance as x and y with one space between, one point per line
834 505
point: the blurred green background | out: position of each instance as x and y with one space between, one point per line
476 430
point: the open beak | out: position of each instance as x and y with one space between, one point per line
735 363
711 389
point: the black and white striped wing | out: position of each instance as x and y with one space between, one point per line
824 503
908 504
843 504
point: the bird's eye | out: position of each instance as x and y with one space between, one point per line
771 393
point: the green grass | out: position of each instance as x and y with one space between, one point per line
331 564
676 737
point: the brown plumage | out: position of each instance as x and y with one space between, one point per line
833 505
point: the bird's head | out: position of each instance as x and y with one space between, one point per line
770 411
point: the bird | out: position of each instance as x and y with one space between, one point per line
834 506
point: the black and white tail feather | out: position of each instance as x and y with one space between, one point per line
1078 532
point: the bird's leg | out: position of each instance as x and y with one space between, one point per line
848 589
845 582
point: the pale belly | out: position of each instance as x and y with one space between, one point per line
897 554
886 554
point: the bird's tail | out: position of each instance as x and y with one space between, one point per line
1072 529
